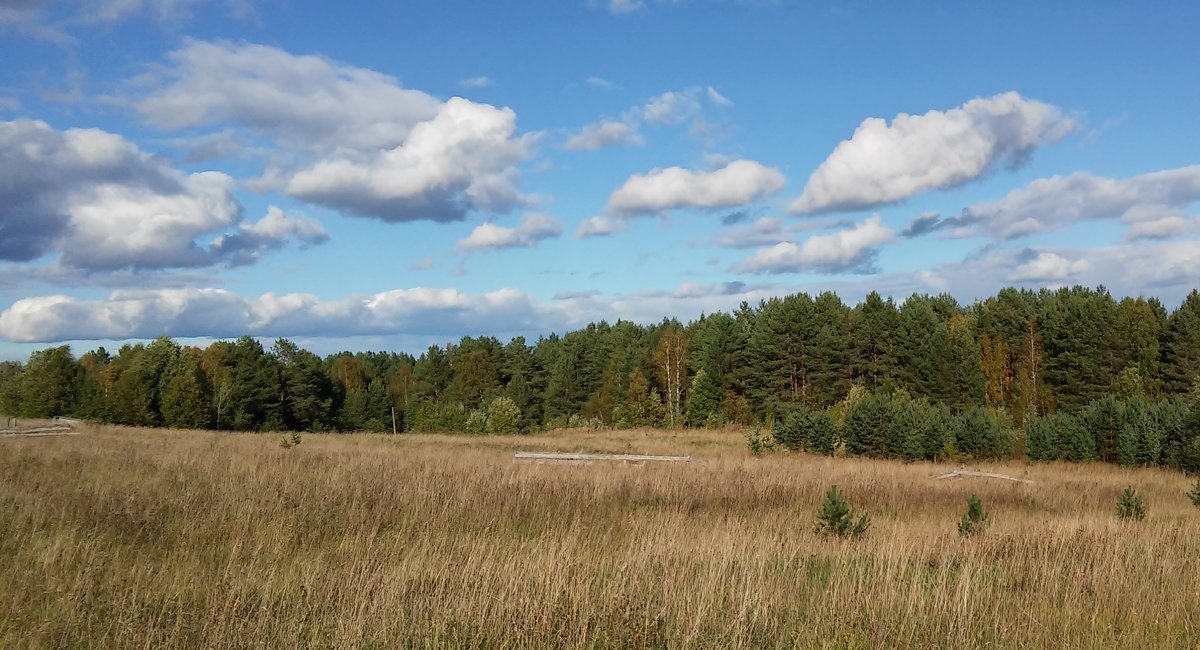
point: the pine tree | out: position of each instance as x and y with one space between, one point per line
822 433
185 401
1181 346
1130 505
1103 419
974 520
48 383
704 401
867 426
791 432
981 436
836 517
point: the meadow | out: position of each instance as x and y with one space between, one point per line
146 538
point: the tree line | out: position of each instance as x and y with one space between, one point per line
1039 367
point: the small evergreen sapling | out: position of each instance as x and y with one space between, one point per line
758 442
975 519
1194 494
290 440
837 517
1130 505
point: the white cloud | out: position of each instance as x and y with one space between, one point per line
1148 202
532 230
763 232
304 102
600 82
462 160
273 231
737 183
102 204
422 264
218 313
1048 267
671 107
1170 226
884 163
717 98
767 231
1168 269
601 225
851 250
476 82
438 314
625 6
348 138
606 133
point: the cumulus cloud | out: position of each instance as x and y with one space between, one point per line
102 204
1148 202
273 231
1048 267
666 109
436 313
850 250
1170 226
884 163
356 140
737 183
532 230
767 231
671 107
218 313
303 101
462 160
606 133
601 225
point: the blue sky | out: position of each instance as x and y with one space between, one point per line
399 174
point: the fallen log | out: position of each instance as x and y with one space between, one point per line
59 430
960 472
579 458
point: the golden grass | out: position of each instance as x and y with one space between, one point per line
160 539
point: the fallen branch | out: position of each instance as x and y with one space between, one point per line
960 472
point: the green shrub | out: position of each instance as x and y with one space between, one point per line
974 520
290 440
503 416
758 442
1194 494
476 423
1130 505
836 517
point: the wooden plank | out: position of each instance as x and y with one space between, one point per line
959 473
34 433
580 458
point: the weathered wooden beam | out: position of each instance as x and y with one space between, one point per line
959 473
580 458
40 431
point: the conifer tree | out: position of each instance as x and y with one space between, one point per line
836 517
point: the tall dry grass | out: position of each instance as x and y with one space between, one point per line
159 539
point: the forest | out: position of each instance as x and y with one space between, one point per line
1070 373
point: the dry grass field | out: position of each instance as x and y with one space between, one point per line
124 538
